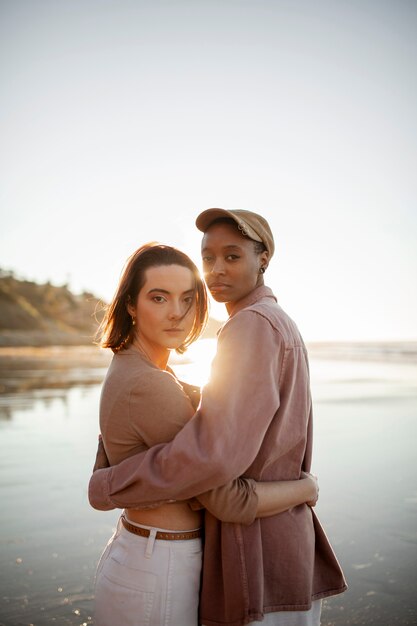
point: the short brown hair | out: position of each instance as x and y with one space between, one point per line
115 330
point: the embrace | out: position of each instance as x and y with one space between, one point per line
217 526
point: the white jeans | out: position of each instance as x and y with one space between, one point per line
145 582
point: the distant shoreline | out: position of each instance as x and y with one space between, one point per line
364 350
40 338
390 349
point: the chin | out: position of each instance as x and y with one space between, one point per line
174 345
220 297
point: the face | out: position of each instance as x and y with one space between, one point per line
230 263
165 307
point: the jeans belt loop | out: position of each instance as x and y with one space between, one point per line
150 544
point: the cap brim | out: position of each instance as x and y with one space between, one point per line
208 216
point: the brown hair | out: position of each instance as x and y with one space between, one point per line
115 331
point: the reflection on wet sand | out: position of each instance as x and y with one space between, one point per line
28 374
24 368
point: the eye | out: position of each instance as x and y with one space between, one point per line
207 259
189 299
158 299
232 257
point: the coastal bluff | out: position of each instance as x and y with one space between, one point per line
34 314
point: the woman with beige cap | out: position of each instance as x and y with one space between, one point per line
254 420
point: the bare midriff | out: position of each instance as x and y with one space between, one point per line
172 516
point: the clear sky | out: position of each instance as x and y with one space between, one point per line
121 120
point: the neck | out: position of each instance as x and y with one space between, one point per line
235 305
155 354
230 306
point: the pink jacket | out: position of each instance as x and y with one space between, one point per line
255 420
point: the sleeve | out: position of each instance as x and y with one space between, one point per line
224 436
235 502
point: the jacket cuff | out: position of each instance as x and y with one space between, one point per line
99 490
253 502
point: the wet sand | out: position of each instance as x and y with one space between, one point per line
52 367
50 539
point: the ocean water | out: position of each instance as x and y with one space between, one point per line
365 437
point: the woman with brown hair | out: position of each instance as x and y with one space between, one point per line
150 570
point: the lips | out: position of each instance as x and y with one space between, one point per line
218 286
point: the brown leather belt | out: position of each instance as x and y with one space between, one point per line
181 535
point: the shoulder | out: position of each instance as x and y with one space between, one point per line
158 380
129 369
127 366
266 319
139 384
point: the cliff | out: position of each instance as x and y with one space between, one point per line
33 314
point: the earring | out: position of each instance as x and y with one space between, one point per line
133 321
262 270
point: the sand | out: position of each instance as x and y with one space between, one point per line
50 539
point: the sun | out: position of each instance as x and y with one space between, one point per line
193 366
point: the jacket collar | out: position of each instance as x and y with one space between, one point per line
254 296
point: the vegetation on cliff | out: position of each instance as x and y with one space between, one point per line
34 314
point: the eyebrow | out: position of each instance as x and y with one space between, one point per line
156 289
229 247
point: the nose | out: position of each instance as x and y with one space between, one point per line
175 311
217 267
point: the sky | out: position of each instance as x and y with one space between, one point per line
120 121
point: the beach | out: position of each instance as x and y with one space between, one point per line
365 429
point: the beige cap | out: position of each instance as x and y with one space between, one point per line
251 224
